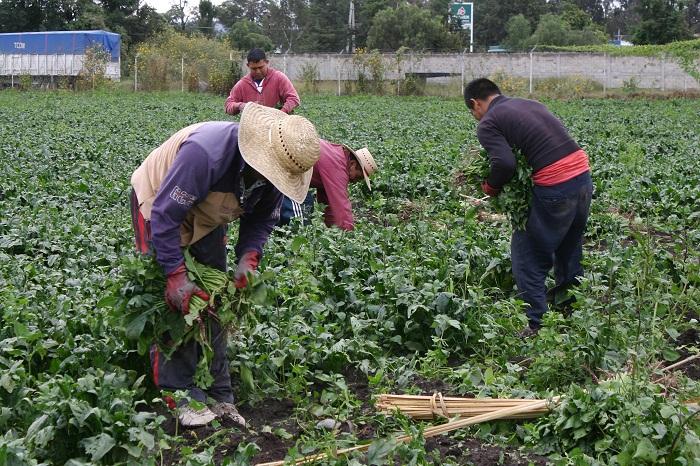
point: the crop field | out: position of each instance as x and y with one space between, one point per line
418 299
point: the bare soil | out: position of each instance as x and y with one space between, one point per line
280 414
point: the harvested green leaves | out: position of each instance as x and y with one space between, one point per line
514 199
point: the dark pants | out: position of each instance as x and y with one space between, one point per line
553 236
291 209
177 373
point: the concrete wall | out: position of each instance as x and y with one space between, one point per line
609 71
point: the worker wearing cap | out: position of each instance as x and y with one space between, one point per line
185 194
337 167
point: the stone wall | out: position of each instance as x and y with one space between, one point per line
609 71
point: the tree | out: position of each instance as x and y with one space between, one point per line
413 27
692 16
575 16
178 15
205 17
284 25
661 22
623 18
491 17
92 17
518 30
555 30
126 7
252 10
229 12
246 35
365 13
325 29
551 30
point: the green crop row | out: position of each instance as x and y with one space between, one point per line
421 289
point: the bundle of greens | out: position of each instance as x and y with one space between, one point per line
140 309
514 199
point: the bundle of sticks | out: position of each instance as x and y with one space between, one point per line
431 407
508 412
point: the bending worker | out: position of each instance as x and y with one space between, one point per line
184 195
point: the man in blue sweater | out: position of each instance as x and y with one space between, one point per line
561 195
184 195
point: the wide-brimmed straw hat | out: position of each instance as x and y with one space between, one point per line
282 148
366 161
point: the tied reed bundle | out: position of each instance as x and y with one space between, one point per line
430 407
496 414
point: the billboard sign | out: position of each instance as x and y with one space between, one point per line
463 12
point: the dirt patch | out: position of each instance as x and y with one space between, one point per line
275 414
459 178
690 338
478 453
429 386
408 210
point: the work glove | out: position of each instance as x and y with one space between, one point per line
248 263
490 190
179 289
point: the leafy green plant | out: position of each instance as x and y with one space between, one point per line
514 199
309 75
418 297
621 421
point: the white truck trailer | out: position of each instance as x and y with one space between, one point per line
49 56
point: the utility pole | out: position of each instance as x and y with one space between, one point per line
350 48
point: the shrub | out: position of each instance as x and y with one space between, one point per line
370 71
309 75
223 76
160 61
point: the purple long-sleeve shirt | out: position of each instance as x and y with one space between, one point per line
210 161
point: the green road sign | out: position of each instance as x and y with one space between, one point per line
462 11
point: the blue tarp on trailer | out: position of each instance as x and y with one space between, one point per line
59 42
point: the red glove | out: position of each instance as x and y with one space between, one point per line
490 190
247 263
180 289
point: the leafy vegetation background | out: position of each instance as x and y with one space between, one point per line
419 295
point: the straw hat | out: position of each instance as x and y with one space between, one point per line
366 161
282 148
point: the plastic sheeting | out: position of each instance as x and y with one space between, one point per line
59 42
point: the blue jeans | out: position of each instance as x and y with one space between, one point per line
177 373
553 236
291 209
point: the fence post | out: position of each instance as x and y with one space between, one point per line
531 56
136 72
663 73
605 73
559 65
182 74
462 74
337 71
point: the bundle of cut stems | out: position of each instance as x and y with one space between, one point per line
496 414
431 407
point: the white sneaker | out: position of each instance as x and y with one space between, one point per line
228 411
190 417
